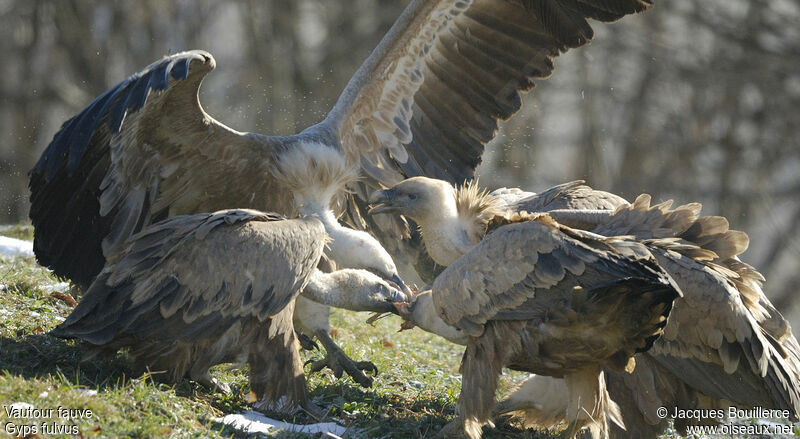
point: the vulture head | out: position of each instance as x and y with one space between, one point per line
419 198
451 220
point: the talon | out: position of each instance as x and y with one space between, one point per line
307 342
367 366
406 325
336 360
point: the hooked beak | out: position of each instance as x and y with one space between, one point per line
382 202
406 290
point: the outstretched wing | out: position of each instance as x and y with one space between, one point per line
511 273
192 275
430 95
142 151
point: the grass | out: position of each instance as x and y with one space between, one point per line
413 395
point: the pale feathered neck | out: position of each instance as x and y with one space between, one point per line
316 174
459 222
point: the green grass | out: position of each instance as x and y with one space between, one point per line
413 395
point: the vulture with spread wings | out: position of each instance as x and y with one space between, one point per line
423 103
196 290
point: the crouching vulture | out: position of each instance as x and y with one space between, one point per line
196 290
725 344
424 102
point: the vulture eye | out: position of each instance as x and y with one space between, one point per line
412 196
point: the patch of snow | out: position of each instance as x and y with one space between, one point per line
44 394
5 312
58 286
416 384
87 392
255 422
15 247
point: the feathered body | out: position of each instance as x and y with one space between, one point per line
533 295
724 343
558 306
196 290
178 296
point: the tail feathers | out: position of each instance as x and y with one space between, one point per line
660 221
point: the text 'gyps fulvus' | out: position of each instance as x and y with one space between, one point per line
423 103
197 290
724 343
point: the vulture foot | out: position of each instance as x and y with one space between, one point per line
214 384
339 362
315 411
458 429
306 342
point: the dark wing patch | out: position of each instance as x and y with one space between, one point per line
142 151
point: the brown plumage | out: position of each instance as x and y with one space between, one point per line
725 342
196 290
425 102
539 297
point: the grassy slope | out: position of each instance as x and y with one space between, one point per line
413 395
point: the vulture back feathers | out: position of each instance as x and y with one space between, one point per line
196 290
537 296
725 340
724 344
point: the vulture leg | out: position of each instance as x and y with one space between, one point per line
216 353
276 371
339 362
480 370
589 403
313 318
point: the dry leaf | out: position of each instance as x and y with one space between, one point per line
406 325
66 298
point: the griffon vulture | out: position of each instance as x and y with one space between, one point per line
724 343
423 103
540 297
193 291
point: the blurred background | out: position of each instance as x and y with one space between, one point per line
692 101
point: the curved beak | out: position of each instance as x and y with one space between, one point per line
406 290
383 202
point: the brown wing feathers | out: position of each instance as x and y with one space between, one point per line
151 289
66 182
